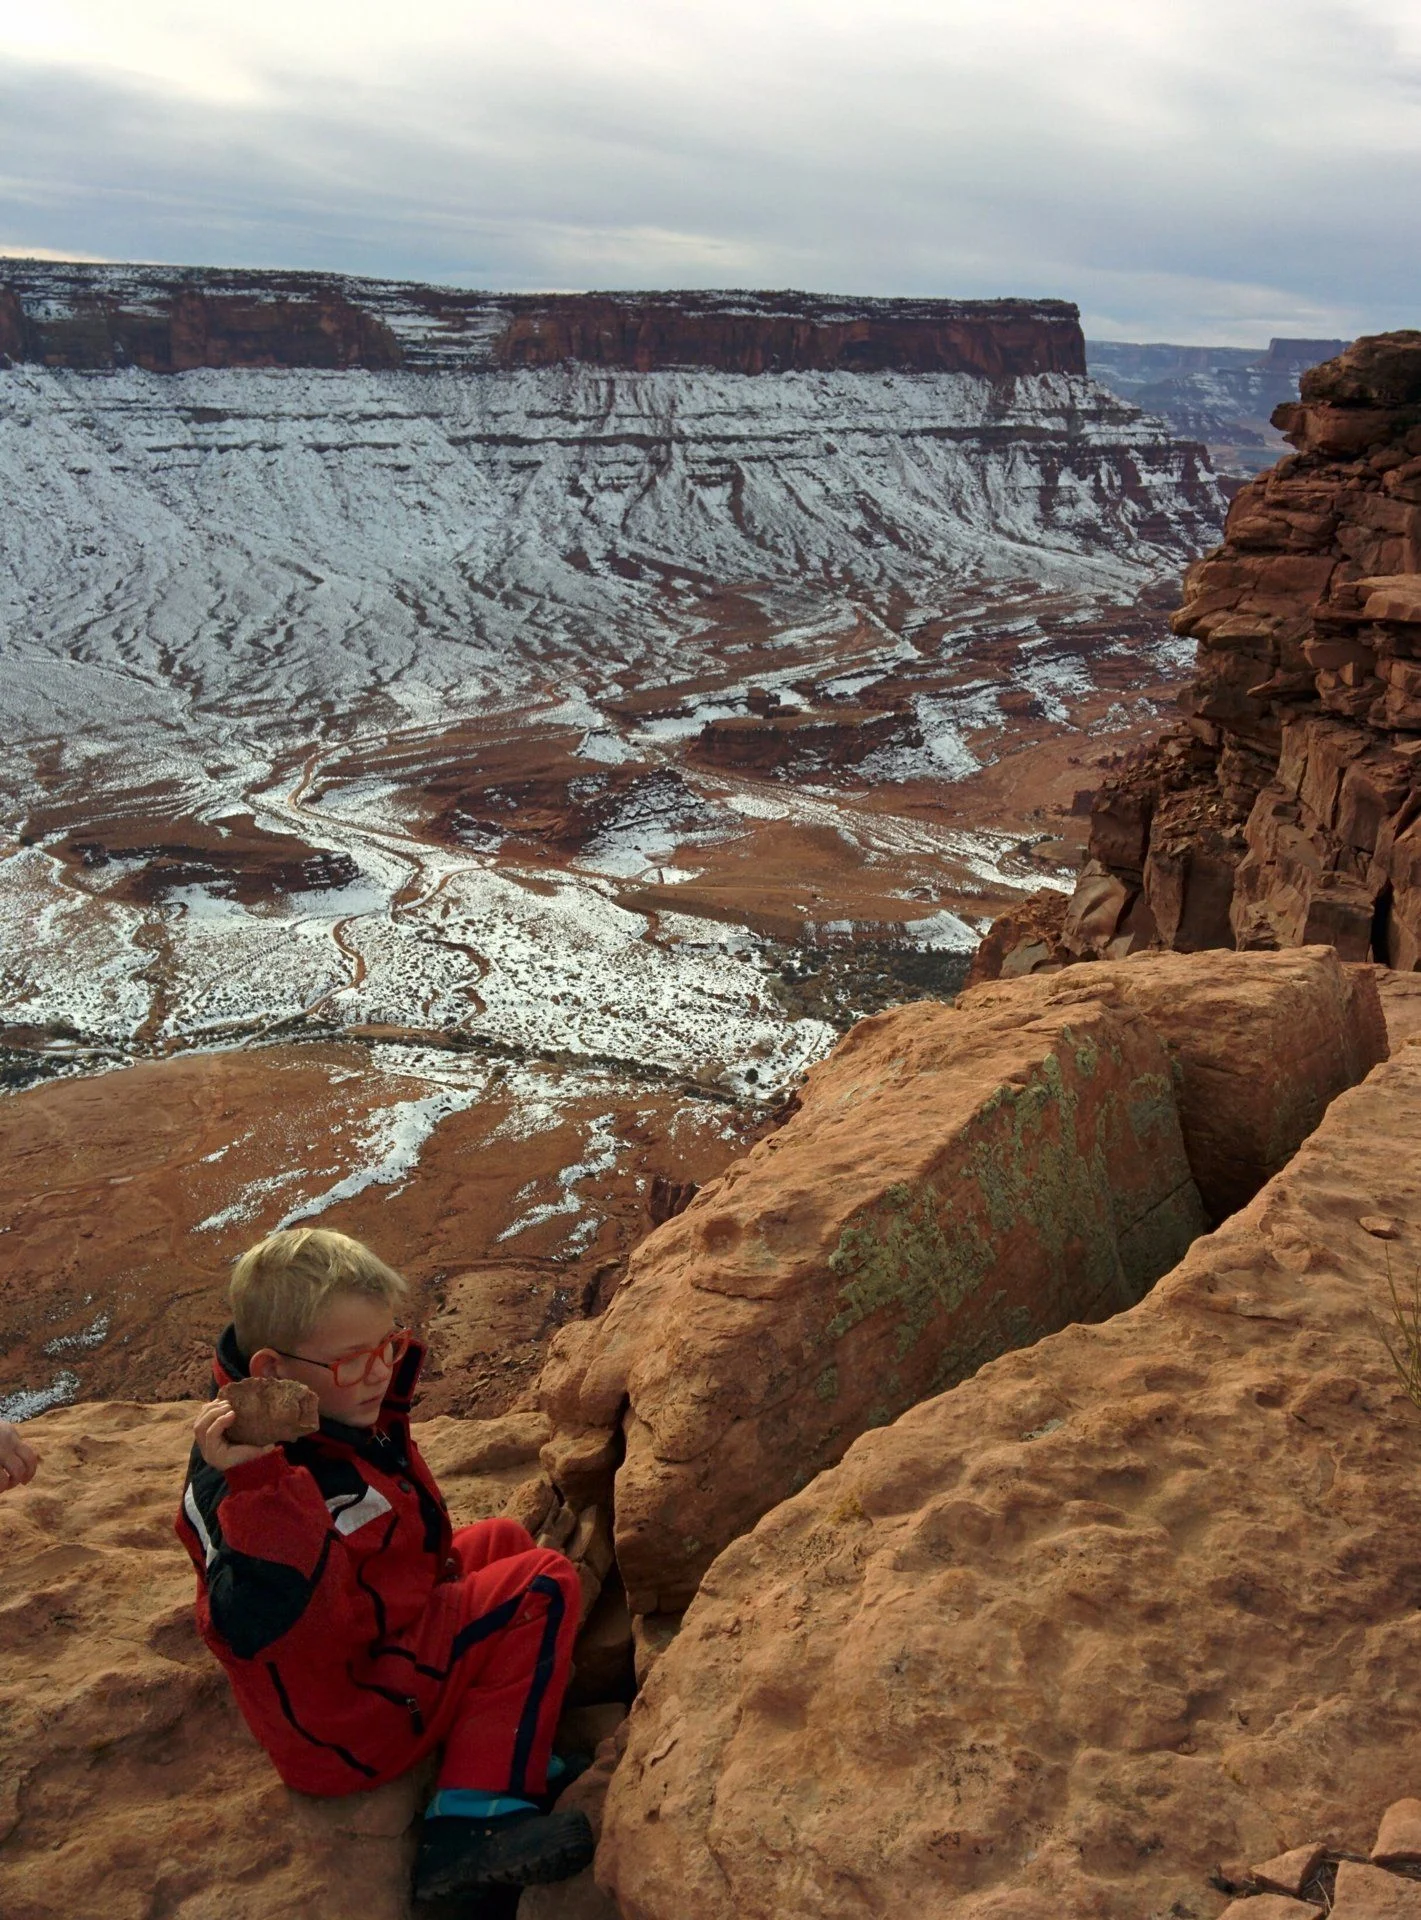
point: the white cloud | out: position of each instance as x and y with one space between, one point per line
1202 170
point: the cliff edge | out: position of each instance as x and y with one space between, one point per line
1287 808
175 319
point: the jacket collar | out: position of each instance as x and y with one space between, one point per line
229 1363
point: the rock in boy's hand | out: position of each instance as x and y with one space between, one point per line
18 1460
210 1432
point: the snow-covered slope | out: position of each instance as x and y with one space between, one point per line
217 558
224 592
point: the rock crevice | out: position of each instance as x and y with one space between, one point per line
957 1183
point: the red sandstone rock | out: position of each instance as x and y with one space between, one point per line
1306 702
1289 1872
1125 1604
270 1410
759 333
955 1184
1261 1043
168 319
1369 1893
205 328
1025 939
1272 1906
1398 1841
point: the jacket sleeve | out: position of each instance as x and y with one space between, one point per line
274 1563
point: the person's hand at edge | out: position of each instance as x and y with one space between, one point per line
18 1460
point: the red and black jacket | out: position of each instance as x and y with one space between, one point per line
317 1564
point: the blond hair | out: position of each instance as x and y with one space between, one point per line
280 1285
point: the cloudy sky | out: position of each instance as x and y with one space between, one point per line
1207 170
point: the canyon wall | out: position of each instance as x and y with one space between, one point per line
1287 808
1223 396
170 320
310 526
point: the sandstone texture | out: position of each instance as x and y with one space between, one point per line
1134 1601
1260 1044
129 1786
956 1183
270 1410
1285 811
1398 1840
953 1185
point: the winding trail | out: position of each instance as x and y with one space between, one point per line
421 887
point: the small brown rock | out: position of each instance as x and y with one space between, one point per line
1271 1906
1379 1227
581 1461
531 1503
558 1528
1370 1893
1399 1836
1288 1872
270 1410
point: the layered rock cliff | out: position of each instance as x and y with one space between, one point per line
1285 810
355 569
171 320
1224 396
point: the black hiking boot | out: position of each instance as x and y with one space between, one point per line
511 1850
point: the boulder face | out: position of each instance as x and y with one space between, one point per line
1260 1046
1127 1605
1285 811
955 1184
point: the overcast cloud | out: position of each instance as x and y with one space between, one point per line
1210 170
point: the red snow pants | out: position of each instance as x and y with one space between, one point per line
510 1661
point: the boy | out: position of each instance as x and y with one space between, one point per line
357 1629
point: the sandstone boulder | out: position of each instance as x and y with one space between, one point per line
1026 939
1398 1841
1134 1601
954 1184
1260 1043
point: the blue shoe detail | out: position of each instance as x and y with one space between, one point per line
469 1803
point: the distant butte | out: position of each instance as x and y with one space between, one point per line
175 319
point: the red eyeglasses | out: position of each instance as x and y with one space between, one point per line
353 1368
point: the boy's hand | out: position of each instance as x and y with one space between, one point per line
210 1432
18 1461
